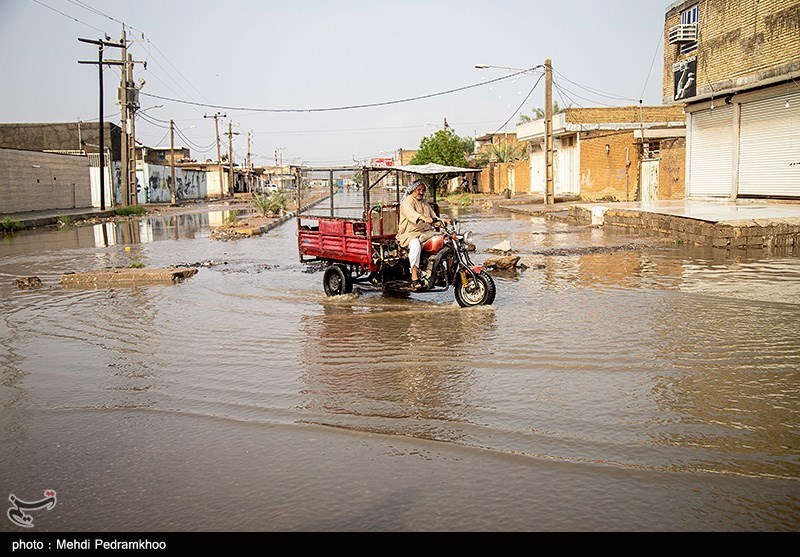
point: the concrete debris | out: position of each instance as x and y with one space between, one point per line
127 277
28 283
503 247
502 263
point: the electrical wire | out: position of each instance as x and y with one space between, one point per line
70 17
147 119
339 108
595 91
160 141
520 105
202 149
584 98
652 62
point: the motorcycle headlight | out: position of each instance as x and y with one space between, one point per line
468 237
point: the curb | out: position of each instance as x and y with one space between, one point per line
36 222
289 216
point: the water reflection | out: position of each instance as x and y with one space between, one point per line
735 398
403 367
125 232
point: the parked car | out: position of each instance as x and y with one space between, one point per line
267 189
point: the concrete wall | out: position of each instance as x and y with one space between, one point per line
157 180
31 181
741 43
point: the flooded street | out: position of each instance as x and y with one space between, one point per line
635 388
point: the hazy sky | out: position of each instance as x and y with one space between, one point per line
324 54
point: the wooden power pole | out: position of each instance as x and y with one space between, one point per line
249 166
549 195
172 158
216 118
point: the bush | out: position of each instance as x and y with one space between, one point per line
137 265
65 220
130 210
231 218
272 204
9 224
462 199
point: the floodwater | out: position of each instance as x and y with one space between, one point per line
652 387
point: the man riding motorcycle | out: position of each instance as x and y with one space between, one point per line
415 227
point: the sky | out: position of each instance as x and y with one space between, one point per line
318 54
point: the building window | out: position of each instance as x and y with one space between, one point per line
689 17
651 150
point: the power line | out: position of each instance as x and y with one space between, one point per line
584 98
521 104
147 119
338 108
93 10
176 69
162 139
595 91
202 149
70 17
653 61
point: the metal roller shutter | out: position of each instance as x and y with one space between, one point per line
769 147
711 155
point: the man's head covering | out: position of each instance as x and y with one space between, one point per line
414 185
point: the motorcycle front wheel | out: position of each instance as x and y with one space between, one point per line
478 291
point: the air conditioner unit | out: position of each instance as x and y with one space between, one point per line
683 33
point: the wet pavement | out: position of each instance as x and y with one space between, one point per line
620 382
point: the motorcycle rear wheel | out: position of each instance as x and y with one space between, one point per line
336 281
475 292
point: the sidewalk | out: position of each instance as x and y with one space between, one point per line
33 219
742 224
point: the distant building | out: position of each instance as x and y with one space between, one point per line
72 137
163 155
404 156
611 154
485 142
736 65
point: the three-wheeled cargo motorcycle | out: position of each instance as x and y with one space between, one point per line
364 250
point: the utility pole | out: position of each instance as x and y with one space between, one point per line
172 158
133 105
231 133
216 118
249 165
123 121
549 194
100 62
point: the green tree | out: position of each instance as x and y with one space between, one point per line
443 147
538 113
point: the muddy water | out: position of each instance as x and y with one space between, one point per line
646 388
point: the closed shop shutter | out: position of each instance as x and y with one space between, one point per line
711 156
769 147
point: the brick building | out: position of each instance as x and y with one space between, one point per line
611 154
163 155
736 66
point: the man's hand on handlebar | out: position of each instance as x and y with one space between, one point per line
436 221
